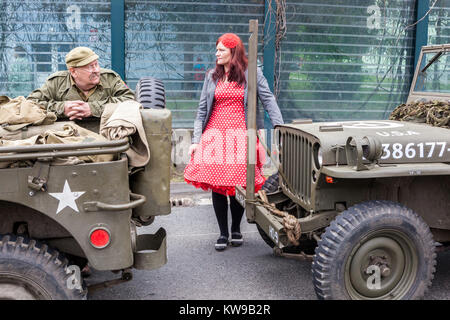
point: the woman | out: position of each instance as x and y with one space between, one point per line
218 150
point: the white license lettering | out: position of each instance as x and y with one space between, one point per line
273 234
420 145
386 152
442 144
412 150
397 152
431 144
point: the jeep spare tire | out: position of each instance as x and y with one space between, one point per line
150 93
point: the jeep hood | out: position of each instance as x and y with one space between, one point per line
401 141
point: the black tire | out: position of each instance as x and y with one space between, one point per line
377 234
271 184
150 93
30 270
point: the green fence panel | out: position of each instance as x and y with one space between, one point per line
345 59
174 41
439 24
36 35
340 59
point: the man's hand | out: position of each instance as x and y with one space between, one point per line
77 110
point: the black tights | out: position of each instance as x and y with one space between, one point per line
220 205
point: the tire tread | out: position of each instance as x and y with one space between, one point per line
30 251
341 228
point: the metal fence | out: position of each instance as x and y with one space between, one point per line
342 60
339 59
175 41
36 35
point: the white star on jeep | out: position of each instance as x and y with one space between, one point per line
67 198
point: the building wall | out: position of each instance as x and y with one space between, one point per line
36 35
175 41
339 59
342 60
438 23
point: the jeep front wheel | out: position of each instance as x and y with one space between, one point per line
374 250
29 270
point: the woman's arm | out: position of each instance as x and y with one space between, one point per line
268 99
201 112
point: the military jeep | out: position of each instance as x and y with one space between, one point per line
53 217
369 199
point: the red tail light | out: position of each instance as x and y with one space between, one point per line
100 238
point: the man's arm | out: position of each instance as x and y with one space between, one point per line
119 92
45 98
47 95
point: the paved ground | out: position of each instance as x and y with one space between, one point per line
196 271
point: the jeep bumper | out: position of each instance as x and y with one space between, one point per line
150 252
265 220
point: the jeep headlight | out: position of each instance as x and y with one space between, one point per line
359 149
317 156
371 148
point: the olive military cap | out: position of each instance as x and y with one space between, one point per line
80 56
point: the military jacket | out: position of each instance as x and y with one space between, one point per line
60 87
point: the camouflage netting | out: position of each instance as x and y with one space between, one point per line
435 113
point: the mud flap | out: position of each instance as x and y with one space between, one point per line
157 257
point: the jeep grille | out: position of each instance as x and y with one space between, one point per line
296 162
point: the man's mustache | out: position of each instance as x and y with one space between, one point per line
94 75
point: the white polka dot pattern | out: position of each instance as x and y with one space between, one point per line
220 161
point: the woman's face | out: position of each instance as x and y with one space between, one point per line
223 54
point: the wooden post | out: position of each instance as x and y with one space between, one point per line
251 119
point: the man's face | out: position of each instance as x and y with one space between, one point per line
88 76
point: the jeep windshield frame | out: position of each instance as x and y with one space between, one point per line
431 79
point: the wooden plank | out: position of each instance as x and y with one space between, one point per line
251 119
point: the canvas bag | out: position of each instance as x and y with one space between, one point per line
120 120
19 112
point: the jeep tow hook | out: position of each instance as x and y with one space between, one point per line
298 256
127 275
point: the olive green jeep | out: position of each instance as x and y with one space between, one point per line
366 201
56 218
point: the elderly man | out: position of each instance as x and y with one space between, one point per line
83 90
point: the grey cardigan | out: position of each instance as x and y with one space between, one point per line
206 104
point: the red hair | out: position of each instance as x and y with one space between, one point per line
238 63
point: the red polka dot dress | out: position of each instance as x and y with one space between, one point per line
220 162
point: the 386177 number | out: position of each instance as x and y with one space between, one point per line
412 150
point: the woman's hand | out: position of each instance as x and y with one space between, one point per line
192 148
